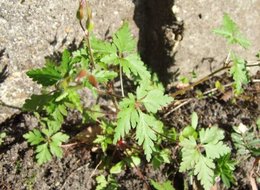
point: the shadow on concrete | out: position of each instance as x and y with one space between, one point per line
4 71
56 56
155 19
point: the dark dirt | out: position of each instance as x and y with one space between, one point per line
74 170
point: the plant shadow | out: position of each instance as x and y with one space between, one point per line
4 71
156 20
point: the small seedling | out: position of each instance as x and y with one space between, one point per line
225 167
246 141
230 31
200 153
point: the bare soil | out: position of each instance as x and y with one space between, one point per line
77 169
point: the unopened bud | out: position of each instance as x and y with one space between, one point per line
80 12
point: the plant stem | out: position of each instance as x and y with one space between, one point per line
253 64
182 91
89 45
121 81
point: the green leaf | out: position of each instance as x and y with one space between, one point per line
123 39
104 141
43 154
228 27
34 137
133 161
216 150
110 59
62 109
162 186
134 64
106 184
190 155
194 120
127 118
146 125
65 61
45 76
160 157
148 97
62 96
55 149
54 125
230 31
225 169
118 168
211 135
102 182
74 98
2 136
239 73
204 170
193 156
145 133
103 76
100 46
37 102
258 123
55 144
59 138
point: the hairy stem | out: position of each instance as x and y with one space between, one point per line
121 81
92 62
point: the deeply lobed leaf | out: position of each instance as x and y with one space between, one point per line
190 155
43 154
211 135
146 133
127 118
239 73
133 64
152 97
204 171
123 39
34 137
45 76
230 31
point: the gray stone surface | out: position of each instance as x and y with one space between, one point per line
31 30
200 18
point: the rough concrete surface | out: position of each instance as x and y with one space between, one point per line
200 47
31 30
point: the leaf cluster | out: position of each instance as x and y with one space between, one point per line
231 32
199 155
247 143
225 169
121 52
238 71
48 142
137 112
62 81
